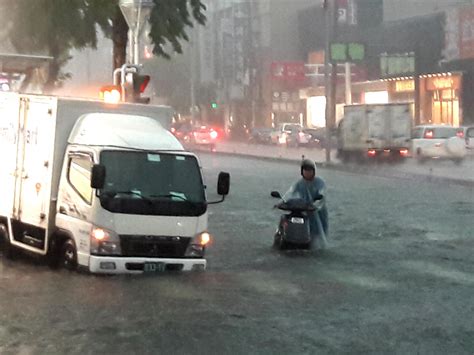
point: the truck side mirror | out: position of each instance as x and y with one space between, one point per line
98 176
223 183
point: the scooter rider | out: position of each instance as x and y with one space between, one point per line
311 187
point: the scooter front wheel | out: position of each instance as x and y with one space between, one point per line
278 242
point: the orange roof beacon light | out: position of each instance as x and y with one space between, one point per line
110 94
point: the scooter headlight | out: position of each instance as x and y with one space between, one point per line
104 242
197 246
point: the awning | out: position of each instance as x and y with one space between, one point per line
22 63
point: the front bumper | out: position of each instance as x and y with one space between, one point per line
136 265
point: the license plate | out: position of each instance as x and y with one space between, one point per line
297 220
154 267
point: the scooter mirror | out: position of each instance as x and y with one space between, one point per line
275 194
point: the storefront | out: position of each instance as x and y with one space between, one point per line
443 93
439 96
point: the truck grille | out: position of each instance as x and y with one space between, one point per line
153 246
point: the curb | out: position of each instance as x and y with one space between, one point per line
354 170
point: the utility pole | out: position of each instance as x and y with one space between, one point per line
136 13
252 61
330 72
192 66
348 80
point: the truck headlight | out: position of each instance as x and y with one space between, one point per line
197 246
104 242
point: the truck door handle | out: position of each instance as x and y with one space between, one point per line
62 210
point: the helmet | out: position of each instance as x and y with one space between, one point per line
308 164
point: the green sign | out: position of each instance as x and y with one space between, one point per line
338 52
397 64
356 52
347 52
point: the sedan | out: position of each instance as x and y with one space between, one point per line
203 136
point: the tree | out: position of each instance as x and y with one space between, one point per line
51 27
54 27
169 21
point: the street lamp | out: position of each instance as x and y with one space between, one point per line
136 13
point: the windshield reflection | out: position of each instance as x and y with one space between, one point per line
152 183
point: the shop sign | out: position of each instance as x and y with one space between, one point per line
452 41
346 12
397 64
405 86
289 72
466 25
452 82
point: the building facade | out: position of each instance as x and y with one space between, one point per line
418 52
401 9
251 51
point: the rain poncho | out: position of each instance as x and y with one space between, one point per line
318 219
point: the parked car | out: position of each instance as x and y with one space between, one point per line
468 136
181 130
202 136
319 138
288 134
296 137
438 141
315 139
260 135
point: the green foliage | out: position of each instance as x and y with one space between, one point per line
169 20
54 27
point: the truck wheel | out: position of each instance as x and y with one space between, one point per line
9 251
68 255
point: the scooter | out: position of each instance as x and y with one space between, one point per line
294 227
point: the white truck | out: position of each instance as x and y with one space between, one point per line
375 131
102 187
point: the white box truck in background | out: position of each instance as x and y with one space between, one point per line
101 187
375 131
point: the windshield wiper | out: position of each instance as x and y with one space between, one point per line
171 195
112 194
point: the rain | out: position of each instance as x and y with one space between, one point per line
236 176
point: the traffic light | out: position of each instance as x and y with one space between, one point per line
214 105
140 82
111 94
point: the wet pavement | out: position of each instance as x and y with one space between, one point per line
432 170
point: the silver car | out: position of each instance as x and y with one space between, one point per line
438 141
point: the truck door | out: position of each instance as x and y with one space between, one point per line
400 125
9 126
32 195
377 133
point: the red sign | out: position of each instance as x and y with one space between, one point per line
466 32
292 72
289 74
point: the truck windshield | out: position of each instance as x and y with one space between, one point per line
152 184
